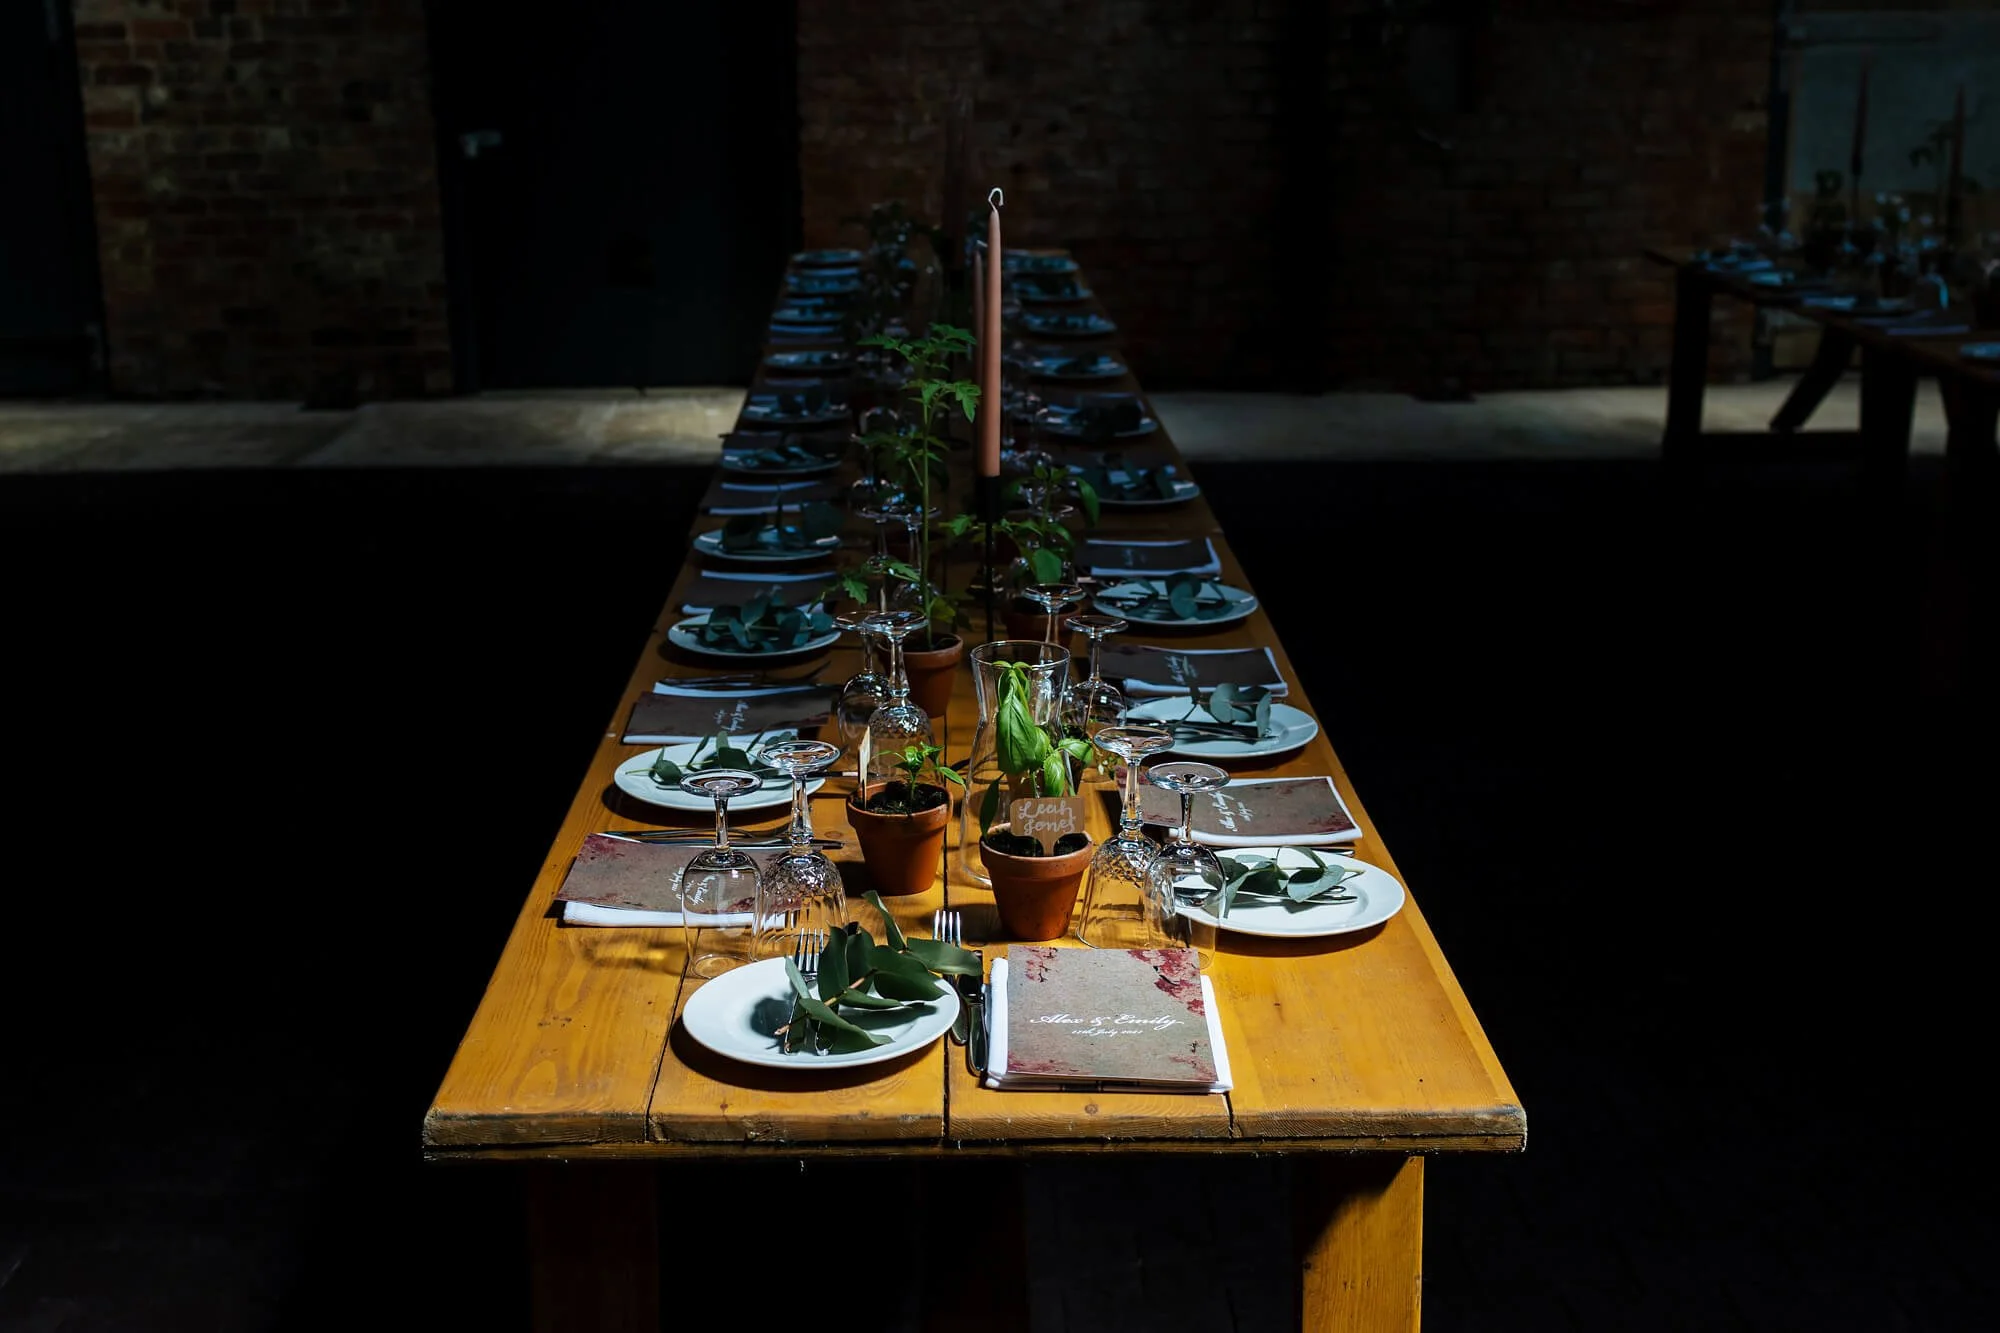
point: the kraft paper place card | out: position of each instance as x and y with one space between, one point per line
659 719
1138 1018
1258 812
1145 668
1107 558
616 882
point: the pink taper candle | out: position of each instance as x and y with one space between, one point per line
989 342
979 337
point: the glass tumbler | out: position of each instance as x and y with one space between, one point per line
718 887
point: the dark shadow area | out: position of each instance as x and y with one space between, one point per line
1662 769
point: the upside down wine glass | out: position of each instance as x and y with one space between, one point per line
800 895
1183 873
1092 704
1118 910
719 887
898 722
863 692
1054 599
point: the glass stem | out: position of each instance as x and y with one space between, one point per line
1187 816
802 824
722 822
899 685
1129 819
1096 642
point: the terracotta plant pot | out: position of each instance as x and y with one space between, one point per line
1036 895
932 672
903 854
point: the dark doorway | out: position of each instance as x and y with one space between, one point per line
620 186
51 318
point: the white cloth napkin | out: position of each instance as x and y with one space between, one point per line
1211 565
996 1042
596 914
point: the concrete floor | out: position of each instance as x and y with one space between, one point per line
683 426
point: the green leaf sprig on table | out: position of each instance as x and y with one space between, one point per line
1260 879
1119 482
787 454
1240 712
667 773
856 974
1180 597
809 526
764 624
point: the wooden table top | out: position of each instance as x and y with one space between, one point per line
1362 1042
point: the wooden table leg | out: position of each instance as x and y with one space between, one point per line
1358 1226
1829 363
1687 375
1888 406
594 1247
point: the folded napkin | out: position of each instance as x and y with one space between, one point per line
1144 668
719 587
669 715
613 882
996 1043
742 497
1258 812
1111 559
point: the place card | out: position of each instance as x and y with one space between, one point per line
661 719
1144 668
1107 1019
1046 818
1258 812
1110 559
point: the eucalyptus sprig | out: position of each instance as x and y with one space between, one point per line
858 975
764 624
1180 596
666 773
812 524
1260 879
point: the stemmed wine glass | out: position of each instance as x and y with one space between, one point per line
1183 873
898 721
1054 599
800 895
1094 702
719 886
869 487
864 691
1119 910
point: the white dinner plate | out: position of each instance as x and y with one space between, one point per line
1379 895
1053 324
1185 491
767 414
1293 727
733 463
1109 368
736 1015
710 544
681 634
821 362
1057 422
635 781
1111 605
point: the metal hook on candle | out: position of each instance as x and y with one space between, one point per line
995 200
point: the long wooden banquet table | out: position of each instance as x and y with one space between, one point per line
1355 1058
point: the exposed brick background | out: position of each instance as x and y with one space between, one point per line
1497 243
266 193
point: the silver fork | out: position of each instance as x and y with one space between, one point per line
805 956
948 927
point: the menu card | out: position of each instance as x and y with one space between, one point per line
1143 1019
614 882
662 718
1185 555
1258 812
1144 668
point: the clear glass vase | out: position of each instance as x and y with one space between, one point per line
1047 668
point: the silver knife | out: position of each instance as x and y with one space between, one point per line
972 991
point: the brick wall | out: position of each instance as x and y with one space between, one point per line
266 195
1494 242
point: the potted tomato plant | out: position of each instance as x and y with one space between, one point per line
900 823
